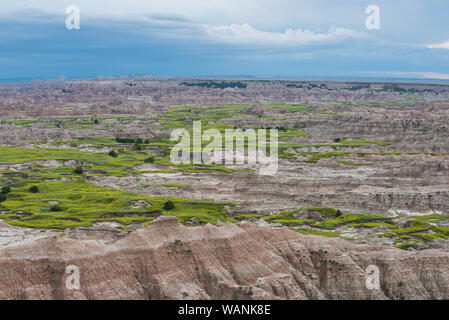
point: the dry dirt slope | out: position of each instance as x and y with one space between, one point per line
167 260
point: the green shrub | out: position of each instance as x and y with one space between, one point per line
33 189
169 205
55 208
113 154
6 189
78 170
3 197
149 159
124 140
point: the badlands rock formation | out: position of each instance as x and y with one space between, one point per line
167 260
363 162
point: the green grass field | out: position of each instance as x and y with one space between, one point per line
83 203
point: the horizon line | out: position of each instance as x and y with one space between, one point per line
246 77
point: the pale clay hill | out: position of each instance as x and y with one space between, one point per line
167 260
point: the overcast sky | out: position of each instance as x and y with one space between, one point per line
228 37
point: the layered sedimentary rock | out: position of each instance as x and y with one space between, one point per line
167 260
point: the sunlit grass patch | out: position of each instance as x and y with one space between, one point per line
371 225
248 216
348 218
362 143
292 222
100 162
329 234
313 157
172 185
353 164
417 226
83 203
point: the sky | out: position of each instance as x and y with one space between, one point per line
182 38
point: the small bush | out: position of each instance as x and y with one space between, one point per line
281 128
169 205
113 154
124 140
33 189
6 189
96 121
147 141
337 140
149 160
78 170
3 197
55 208
339 213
